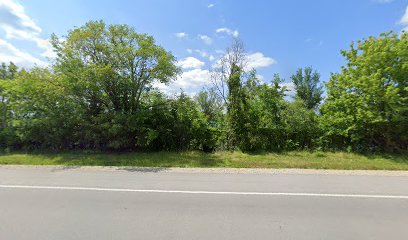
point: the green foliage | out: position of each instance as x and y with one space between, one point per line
7 134
367 103
111 67
301 126
307 86
99 95
211 105
238 110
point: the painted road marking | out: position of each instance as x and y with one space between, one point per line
207 192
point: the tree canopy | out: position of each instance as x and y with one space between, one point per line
367 102
99 94
307 86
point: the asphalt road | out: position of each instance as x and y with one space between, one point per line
48 203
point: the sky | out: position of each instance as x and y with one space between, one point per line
279 36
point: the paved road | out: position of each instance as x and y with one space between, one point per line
58 203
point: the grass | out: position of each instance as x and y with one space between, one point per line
296 159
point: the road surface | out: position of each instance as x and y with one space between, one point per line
92 203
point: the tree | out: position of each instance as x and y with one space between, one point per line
42 113
307 86
112 66
300 125
228 81
11 70
367 102
110 71
234 58
238 109
3 71
7 73
211 105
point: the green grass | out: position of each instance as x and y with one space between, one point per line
296 159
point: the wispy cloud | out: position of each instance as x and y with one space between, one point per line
308 40
206 39
9 53
228 31
181 35
211 5
18 25
404 20
201 53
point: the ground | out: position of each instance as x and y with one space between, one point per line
296 159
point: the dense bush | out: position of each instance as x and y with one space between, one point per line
99 94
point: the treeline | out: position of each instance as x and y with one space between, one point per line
99 94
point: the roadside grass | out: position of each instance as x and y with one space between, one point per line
295 159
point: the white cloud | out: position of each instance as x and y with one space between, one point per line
404 20
8 53
258 60
189 81
206 39
253 61
193 78
228 31
181 35
190 62
18 25
211 5
203 54
13 14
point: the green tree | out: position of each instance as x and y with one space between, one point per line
300 126
110 71
267 107
367 103
211 105
112 66
97 93
42 113
12 69
7 134
238 109
307 86
3 71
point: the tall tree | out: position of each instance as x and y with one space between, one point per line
112 66
234 58
307 86
367 102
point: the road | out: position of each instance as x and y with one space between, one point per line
80 203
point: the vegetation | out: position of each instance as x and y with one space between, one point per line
294 159
99 95
367 103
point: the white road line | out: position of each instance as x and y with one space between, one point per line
208 192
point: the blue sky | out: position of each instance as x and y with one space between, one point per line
280 36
